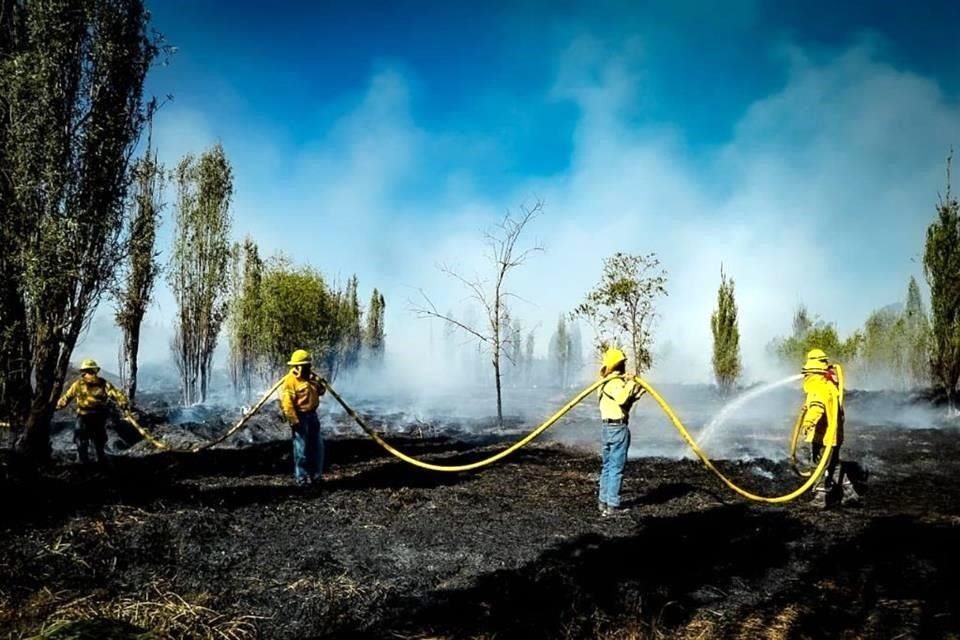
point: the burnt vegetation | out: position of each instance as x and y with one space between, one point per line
220 543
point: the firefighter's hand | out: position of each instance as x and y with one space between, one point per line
806 431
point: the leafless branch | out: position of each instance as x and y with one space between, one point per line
431 311
476 286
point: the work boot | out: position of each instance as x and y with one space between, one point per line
850 495
602 506
611 511
819 500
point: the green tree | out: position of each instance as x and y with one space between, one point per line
918 336
138 279
297 310
620 309
726 336
941 263
71 114
374 336
576 350
199 264
885 345
351 321
812 333
802 322
559 351
245 317
528 360
505 256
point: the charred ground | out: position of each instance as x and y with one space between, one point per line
383 549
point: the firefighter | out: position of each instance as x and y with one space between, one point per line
92 394
616 397
300 394
823 408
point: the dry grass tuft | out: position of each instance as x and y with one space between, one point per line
161 612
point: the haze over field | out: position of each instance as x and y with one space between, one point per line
805 159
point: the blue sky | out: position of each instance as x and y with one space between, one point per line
382 138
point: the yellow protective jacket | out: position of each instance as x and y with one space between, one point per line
822 410
92 394
616 398
299 395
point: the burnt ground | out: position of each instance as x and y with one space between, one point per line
383 549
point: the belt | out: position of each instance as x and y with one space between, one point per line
623 422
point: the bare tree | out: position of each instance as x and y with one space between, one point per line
492 296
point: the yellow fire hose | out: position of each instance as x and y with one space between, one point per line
129 417
812 477
811 480
473 465
243 420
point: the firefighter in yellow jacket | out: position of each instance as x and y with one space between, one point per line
300 394
822 425
616 397
92 395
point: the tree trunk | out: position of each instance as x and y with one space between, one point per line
496 372
131 339
204 372
35 442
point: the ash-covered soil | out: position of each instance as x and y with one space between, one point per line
382 549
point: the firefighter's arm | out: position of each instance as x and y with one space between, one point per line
619 391
812 414
321 385
288 405
68 396
117 396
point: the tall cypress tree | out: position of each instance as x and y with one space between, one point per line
200 261
726 336
941 264
918 336
374 335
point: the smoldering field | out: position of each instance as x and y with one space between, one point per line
220 544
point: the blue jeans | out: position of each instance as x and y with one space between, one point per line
307 449
615 442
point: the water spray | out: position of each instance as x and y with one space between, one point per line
728 409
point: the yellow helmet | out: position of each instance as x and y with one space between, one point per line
613 357
817 361
89 365
300 357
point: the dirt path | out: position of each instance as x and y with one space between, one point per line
386 550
